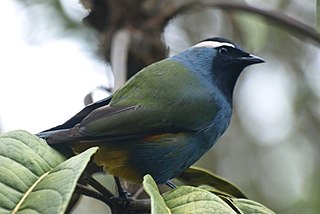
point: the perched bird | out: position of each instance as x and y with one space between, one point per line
165 117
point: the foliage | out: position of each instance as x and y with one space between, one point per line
34 178
188 199
196 176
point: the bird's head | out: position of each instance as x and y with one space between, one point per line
219 60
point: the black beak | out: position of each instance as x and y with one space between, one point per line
250 59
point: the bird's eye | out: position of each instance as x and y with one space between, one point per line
223 51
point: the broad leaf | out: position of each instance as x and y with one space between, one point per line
249 207
184 200
34 178
195 176
157 203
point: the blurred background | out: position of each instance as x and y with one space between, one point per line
50 60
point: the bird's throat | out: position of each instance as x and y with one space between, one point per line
225 79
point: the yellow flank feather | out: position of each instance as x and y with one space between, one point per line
158 137
114 160
164 138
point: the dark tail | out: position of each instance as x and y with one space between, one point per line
55 141
50 136
79 116
61 136
68 131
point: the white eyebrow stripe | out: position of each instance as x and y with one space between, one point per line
213 44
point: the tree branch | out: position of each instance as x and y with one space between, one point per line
140 206
99 187
318 15
273 16
117 205
84 190
119 56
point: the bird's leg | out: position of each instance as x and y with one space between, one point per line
121 192
170 184
122 200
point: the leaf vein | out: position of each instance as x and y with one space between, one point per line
15 210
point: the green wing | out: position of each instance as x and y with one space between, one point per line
164 97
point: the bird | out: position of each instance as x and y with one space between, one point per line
165 117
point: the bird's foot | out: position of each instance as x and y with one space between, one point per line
125 195
170 184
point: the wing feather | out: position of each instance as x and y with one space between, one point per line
151 103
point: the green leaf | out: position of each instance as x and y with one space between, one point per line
251 207
187 199
215 191
195 176
157 203
184 200
34 178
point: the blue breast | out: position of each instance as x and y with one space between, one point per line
200 62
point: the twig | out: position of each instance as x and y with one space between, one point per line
99 187
117 205
273 16
140 206
92 193
318 15
138 192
